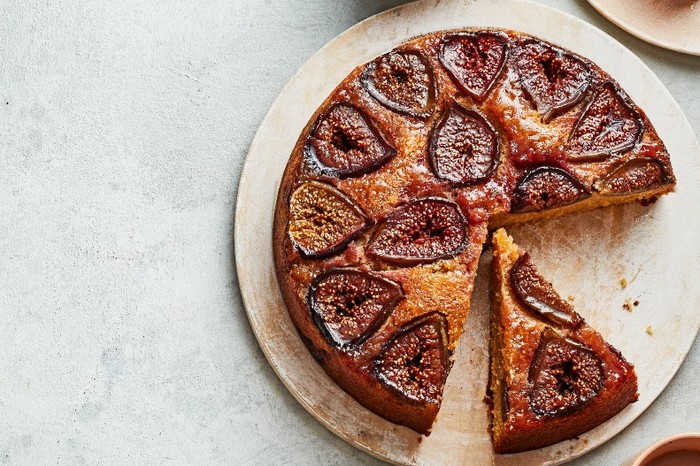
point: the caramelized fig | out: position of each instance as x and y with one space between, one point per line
564 375
345 142
609 124
463 147
424 230
415 363
634 176
553 79
474 61
323 220
535 293
547 188
348 305
401 81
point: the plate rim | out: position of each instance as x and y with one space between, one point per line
240 243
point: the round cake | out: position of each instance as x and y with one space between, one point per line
390 192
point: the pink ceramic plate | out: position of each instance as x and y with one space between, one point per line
671 24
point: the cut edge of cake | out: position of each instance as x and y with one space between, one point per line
596 201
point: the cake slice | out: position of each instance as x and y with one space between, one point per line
553 377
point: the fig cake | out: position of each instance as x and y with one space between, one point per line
390 192
552 376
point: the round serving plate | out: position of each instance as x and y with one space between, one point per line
671 24
586 255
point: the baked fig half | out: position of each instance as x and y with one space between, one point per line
634 176
608 125
474 61
415 363
323 220
348 305
402 82
345 142
538 295
554 80
424 230
464 147
547 187
564 375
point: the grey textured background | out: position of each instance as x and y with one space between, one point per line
123 130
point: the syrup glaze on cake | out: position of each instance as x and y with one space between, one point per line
389 193
552 376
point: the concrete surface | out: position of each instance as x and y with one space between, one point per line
123 128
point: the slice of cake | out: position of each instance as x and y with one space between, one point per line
552 376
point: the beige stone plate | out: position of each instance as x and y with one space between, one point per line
586 255
671 24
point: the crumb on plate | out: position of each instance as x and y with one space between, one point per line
627 306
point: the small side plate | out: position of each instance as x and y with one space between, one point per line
671 24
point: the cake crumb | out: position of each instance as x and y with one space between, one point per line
636 303
650 331
570 297
627 306
623 282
